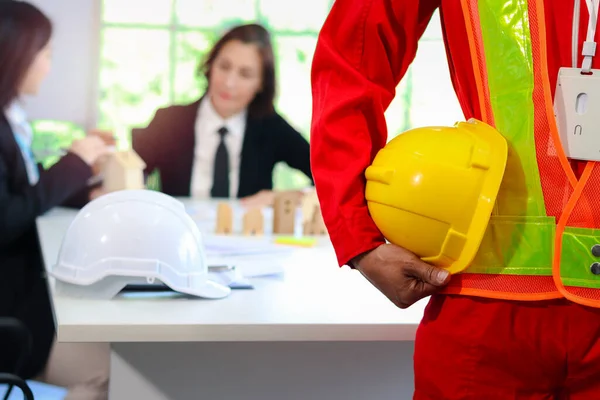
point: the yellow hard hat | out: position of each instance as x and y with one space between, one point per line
432 190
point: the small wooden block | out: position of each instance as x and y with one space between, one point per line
319 227
309 202
284 213
316 225
224 219
253 222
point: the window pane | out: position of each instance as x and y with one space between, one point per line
286 178
434 29
51 137
397 115
433 100
294 57
191 50
214 13
307 15
294 102
137 11
134 78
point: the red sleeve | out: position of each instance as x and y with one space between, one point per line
364 49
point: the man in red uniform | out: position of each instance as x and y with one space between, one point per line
466 347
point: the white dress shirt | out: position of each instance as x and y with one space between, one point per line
208 123
17 119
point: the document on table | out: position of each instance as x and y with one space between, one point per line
252 256
231 246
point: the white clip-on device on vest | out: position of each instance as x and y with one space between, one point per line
577 97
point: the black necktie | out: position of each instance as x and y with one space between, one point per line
221 169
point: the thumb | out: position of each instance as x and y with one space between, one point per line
428 273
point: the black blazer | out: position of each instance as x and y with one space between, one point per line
167 144
23 286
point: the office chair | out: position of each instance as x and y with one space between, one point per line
20 338
17 335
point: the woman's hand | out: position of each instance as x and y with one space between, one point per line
99 164
96 192
108 137
89 149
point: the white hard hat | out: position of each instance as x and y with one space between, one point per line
133 236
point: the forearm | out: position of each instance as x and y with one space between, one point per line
364 49
19 210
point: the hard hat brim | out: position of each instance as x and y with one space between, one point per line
210 290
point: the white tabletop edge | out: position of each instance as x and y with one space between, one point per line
241 333
311 303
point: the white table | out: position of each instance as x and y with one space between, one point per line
317 332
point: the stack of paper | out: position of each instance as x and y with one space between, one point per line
250 255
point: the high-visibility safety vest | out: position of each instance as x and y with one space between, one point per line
543 238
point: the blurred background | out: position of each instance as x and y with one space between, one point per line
127 58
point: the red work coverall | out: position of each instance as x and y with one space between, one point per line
466 347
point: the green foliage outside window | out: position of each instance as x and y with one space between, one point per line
52 138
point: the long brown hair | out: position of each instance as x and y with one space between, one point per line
262 104
24 31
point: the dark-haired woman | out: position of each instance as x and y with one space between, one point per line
226 144
26 192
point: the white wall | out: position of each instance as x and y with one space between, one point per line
69 93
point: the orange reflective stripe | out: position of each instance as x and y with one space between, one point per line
556 174
504 287
538 38
560 229
473 27
550 175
